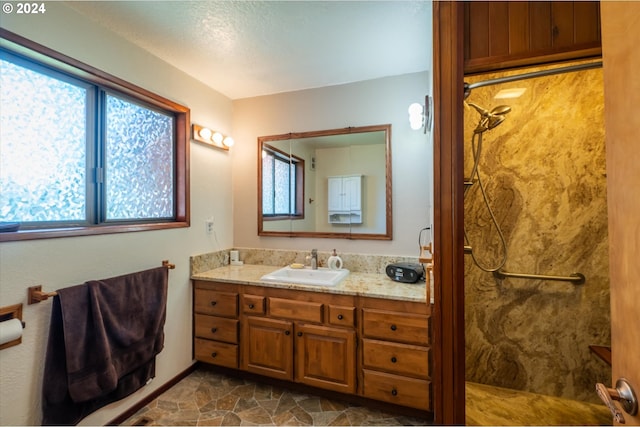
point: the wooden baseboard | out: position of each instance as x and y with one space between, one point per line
144 402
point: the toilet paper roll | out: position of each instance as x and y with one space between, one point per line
10 330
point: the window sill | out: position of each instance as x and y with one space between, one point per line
54 233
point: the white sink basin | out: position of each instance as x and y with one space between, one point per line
306 276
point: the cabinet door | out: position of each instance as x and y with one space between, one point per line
352 187
336 195
506 34
267 346
326 357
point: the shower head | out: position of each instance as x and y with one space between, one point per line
494 121
489 119
501 109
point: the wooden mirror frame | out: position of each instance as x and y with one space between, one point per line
386 235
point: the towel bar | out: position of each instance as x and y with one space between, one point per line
36 295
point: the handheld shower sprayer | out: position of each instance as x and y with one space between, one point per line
489 119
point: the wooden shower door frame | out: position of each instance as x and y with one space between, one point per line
448 310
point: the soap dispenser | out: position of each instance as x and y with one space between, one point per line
334 262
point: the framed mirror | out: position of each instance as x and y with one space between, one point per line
331 183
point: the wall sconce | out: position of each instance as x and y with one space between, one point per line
419 115
210 137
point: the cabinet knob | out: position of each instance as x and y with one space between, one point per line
214 354
251 306
340 317
213 303
287 332
394 327
299 334
394 392
393 359
214 330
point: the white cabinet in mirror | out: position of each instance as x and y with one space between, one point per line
345 199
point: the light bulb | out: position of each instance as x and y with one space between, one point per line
228 141
416 121
205 133
217 137
416 118
415 109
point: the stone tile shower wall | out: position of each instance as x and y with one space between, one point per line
544 171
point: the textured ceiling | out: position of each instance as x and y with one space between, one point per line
251 48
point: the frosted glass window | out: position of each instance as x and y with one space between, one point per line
76 153
268 187
43 147
282 196
139 166
282 178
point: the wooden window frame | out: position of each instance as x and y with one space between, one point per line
57 61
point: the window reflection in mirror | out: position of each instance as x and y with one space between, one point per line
282 185
331 183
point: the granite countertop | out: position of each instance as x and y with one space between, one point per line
363 284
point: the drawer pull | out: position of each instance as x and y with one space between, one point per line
299 334
393 359
251 306
214 354
340 317
214 330
213 303
394 392
287 332
394 327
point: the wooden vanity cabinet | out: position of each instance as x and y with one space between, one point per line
216 324
396 353
376 348
296 338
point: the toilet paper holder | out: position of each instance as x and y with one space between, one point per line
8 313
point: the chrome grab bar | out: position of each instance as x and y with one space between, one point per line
576 278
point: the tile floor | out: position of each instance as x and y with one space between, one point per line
207 398
495 406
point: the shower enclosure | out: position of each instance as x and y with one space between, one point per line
536 265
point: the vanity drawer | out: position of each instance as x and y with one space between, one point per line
401 359
217 353
217 328
215 302
342 316
395 326
295 310
253 304
396 389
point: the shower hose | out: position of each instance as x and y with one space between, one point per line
475 173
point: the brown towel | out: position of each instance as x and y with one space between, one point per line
103 339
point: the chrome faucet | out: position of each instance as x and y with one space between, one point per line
314 259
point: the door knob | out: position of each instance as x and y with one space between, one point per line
624 394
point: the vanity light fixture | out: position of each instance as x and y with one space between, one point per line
419 116
416 116
209 137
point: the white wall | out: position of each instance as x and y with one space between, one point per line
373 102
59 263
